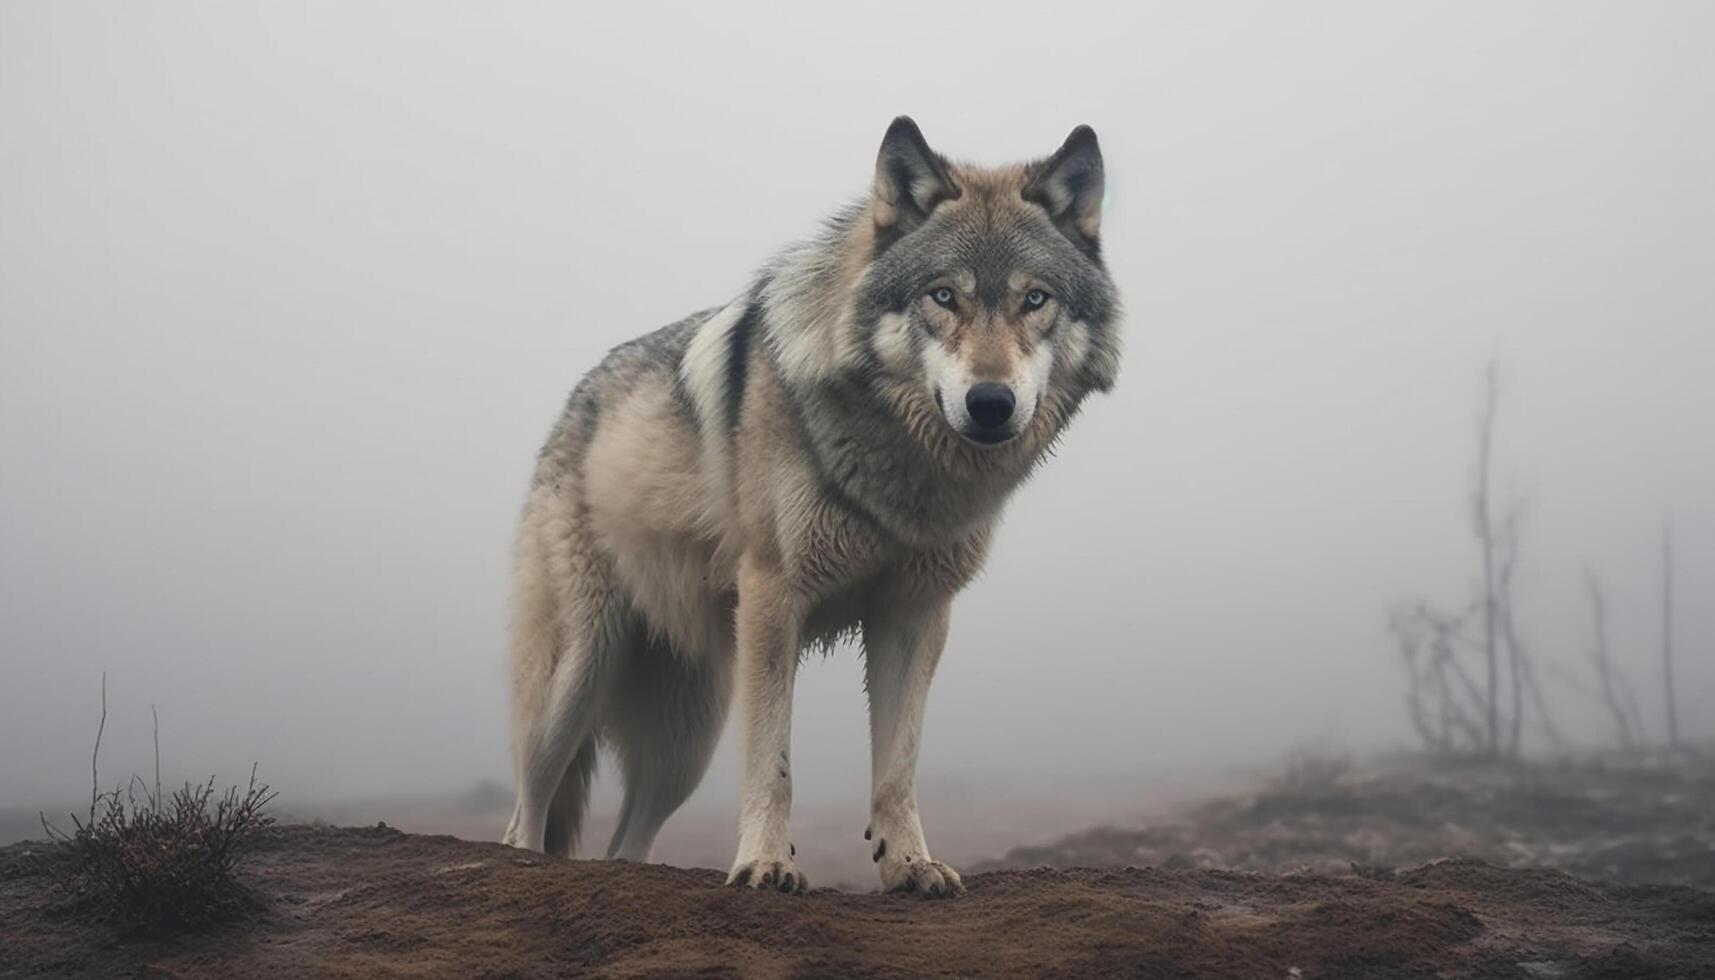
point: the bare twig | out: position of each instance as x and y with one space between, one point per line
1615 692
94 756
1484 528
1549 729
1471 676
156 802
1667 634
1624 685
1573 681
1508 632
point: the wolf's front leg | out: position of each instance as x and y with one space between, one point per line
902 645
769 623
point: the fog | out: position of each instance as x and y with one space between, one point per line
290 295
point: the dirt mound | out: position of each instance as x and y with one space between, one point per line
379 903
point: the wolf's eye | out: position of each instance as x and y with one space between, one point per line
943 296
1034 299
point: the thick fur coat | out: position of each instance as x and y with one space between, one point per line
825 455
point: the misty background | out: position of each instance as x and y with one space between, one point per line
290 296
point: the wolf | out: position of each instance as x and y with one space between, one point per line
825 456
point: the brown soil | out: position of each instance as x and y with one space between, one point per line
379 903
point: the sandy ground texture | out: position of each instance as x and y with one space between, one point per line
365 903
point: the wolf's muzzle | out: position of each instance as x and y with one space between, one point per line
990 406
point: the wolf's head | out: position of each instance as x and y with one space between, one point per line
985 288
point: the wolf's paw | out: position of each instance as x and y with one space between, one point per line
764 875
930 879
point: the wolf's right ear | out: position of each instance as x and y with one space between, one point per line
1068 185
910 179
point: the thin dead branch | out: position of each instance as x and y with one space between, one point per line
1478 709
1667 635
1615 693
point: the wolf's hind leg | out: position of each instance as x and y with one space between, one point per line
554 744
665 718
566 812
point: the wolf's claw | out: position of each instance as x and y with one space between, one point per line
930 879
782 876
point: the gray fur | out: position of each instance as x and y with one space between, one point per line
761 478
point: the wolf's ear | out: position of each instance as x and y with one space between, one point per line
910 179
1068 185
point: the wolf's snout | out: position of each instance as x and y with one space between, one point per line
990 404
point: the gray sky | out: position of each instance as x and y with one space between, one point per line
290 295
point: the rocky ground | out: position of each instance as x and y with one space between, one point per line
1395 868
1634 819
368 903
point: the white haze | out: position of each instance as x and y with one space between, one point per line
290 295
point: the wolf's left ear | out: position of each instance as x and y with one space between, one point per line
1068 185
910 179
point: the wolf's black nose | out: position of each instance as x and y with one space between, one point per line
990 404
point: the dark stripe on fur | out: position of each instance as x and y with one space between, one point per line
738 361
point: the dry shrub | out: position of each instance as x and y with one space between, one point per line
163 864
155 862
